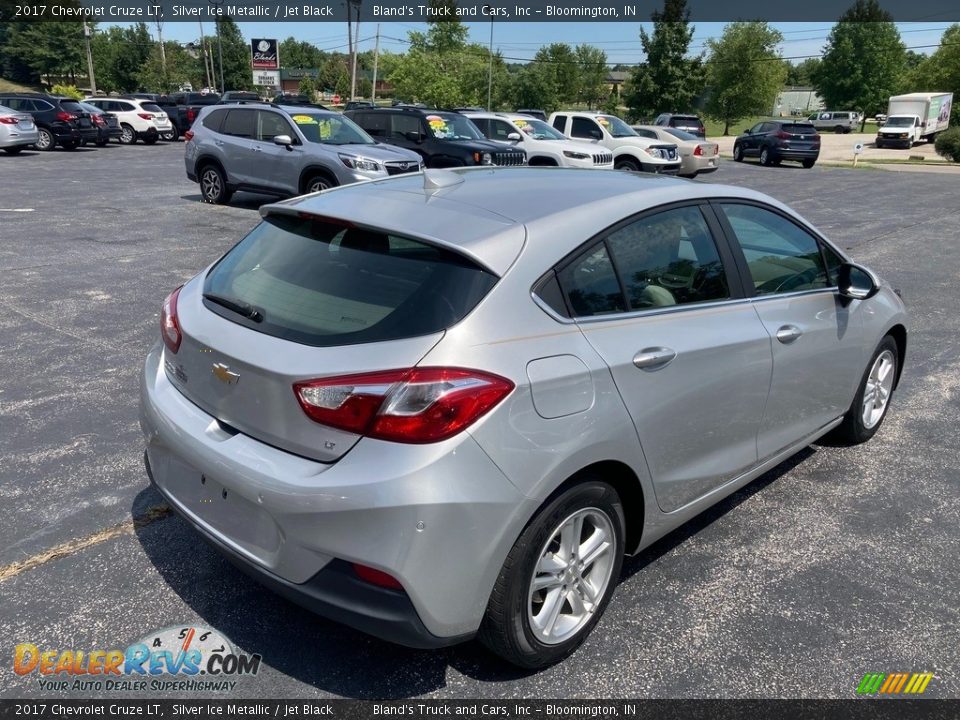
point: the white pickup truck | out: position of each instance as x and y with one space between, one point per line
630 151
914 118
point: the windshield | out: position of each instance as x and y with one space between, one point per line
615 126
330 129
450 126
900 122
538 130
681 134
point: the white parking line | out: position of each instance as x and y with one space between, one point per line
16 209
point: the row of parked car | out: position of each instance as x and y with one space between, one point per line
291 149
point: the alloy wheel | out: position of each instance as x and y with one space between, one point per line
876 395
571 576
44 140
210 185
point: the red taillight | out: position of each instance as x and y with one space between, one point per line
783 135
188 135
190 115
698 150
8 120
65 116
169 323
420 405
145 116
376 577
99 121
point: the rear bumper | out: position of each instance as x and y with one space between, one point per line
795 154
439 518
18 138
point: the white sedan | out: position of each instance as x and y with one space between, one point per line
696 154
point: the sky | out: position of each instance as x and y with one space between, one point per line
519 41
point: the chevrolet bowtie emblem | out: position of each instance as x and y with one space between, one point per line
223 373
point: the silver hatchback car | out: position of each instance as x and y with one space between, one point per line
446 405
284 150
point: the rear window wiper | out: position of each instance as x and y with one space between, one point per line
238 306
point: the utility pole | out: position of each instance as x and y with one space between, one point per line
86 40
218 4
163 51
490 67
376 61
204 53
356 41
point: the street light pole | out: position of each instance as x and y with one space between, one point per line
356 40
86 41
216 22
376 61
490 68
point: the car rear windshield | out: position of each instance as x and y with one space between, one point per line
684 120
150 107
319 283
799 129
71 106
682 134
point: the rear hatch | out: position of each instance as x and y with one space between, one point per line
305 298
82 120
160 117
799 136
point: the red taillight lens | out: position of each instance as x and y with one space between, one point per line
65 116
698 150
99 121
376 577
190 115
421 405
188 135
145 116
783 135
7 120
169 323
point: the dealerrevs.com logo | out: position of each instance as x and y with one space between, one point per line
177 658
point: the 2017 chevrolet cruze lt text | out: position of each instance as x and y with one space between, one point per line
446 405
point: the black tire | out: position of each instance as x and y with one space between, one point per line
70 144
46 142
129 136
878 144
171 136
318 182
737 153
102 142
13 150
853 430
150 139
628 164
809 163
213 185
506 628
766 157
839 129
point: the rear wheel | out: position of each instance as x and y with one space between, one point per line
213 186
45 141
13 150
150 139
870 404
766 157
171 135
557 578
102 142
737 153
627 164
129 135
839 129
70 144
809 163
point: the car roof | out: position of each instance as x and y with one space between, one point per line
480 212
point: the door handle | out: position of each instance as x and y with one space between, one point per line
788 333
218 143
653 358
255 148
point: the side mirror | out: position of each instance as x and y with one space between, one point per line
856 282
514 136
284 140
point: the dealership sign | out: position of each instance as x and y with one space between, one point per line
266 78
264 54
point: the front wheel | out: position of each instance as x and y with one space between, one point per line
318 183
627 164
737 153
557 578
809 163
129 136
13 150
870 404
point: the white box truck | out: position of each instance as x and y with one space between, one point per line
914 118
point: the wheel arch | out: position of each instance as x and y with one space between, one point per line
899 334
542 161
204 160
312 171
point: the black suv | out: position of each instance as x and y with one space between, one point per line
60 121
776 140
688 123
443 139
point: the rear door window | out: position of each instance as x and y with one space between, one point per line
240 123
214 120
403 124
319 283
591 285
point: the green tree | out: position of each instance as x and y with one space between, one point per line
335 74
745 72
561 62
119 54
592 75
299 54
237 74
50 49
940 72
864 60
801 74
668 80
533 87
181 68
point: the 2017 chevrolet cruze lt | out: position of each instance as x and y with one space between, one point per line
446 405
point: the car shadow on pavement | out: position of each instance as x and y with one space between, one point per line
292 641
242 200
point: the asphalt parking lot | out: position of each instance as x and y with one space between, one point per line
840 562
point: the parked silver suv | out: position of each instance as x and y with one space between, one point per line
284 150
844 121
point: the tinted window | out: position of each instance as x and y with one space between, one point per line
681 134
799 128
330 129
643 132
125 107
403 124
214 120
584 128
322 284
375 124
150 107
782 257
71 106
684 120
591 284
560 122
14 103
271 125
240 123
668 259
40 105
